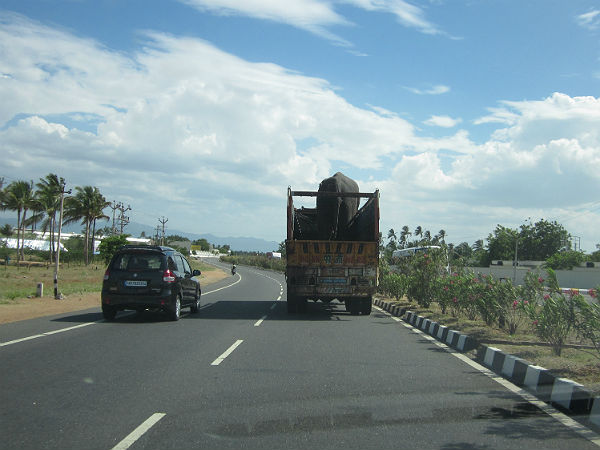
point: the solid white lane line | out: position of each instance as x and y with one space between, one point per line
139 431
227 352
69 328
48 333
224 287
274 305
16 341
551 411
258 322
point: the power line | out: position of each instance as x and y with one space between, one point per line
583 213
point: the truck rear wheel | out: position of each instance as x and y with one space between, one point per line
292 305
355 306
301 304
366 306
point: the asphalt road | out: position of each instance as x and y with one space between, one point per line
244 374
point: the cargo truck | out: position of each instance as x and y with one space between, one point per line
338 264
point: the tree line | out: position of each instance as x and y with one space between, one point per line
37 206
543 240
39 203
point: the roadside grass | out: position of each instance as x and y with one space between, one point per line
577 362
21 282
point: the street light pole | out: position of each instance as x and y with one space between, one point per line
515 261
57 295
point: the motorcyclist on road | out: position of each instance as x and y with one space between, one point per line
233 270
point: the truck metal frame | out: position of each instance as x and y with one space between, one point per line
345 270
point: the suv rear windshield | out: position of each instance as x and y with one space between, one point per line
138 261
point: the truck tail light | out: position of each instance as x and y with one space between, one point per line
168 276
106 274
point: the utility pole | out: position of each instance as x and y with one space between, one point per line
114 206
576 243
163 220
157 234
57 295
123 220
515 261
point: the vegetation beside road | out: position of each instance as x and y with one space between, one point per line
576 362
536 321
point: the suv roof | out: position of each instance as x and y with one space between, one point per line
161 248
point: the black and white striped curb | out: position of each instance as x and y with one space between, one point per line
566 394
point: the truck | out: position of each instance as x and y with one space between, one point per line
332 250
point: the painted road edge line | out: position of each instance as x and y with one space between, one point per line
139 431
227 352
225 287
562 418
48 333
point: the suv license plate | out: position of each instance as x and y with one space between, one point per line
136 283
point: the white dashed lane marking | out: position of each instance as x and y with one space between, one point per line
138 432
227 352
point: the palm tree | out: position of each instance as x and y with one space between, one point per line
419 232
99 205
392 234
427 236
392 238
86 205
404 235
19 196
464 249
49 190
442 235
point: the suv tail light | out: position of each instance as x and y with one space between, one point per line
168 276
106 274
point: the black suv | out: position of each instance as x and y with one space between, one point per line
149 277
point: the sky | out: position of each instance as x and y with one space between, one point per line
465 114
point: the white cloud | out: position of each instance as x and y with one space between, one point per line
434 90
314 16
442 121
186 118
589 20
407 14
212 141
317 16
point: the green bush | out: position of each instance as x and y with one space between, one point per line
109 245
424 269
394 285
587 324
554 316
565 260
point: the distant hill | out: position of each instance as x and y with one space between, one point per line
243 244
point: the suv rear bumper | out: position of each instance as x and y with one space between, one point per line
121 301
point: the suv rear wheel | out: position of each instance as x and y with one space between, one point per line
109 312
196 305
176 313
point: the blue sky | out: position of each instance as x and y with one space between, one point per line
464 113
